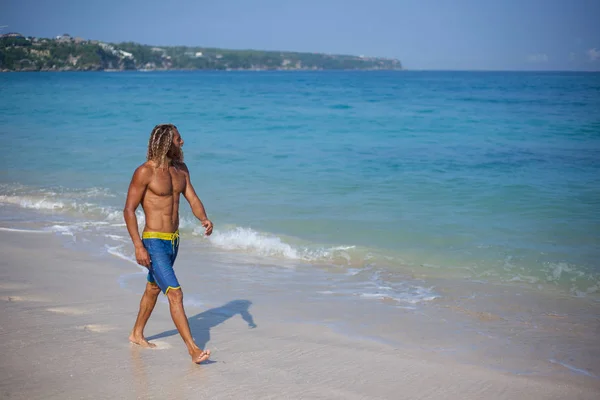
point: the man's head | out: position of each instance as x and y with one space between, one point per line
165 142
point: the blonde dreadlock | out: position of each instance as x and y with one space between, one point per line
161 140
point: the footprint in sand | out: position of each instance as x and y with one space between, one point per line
96 328
36 299
160 345
67 310
99 328
13 286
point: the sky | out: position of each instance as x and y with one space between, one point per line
423 34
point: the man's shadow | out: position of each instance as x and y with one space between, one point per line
200 324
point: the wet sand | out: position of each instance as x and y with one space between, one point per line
64 323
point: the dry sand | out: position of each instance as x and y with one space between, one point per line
64 322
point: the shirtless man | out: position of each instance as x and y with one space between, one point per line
157 185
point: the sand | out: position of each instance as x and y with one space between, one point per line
64 323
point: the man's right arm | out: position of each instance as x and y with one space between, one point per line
139 182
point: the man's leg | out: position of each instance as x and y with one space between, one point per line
146 306
179 318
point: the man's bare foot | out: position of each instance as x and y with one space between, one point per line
141 341
199 356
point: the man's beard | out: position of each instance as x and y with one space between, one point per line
175 154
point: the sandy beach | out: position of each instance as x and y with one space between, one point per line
65 319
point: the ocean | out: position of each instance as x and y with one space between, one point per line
405 190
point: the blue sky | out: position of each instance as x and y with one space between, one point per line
423 34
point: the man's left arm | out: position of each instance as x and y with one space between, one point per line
195 203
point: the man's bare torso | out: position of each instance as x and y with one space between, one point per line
161 198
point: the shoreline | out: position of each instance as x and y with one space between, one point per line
60 303
417 268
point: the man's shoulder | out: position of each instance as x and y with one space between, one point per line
144 171
182 166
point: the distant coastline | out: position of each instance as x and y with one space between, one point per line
66 53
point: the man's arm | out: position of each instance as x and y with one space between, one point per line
195 202
139 182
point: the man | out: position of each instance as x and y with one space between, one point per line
157 185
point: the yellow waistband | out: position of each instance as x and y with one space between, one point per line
161 235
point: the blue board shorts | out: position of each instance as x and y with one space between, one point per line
162 249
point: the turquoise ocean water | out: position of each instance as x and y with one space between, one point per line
476 175
399 197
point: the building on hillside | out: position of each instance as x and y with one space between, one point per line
125 54
12 35
193 54
65 38
107 47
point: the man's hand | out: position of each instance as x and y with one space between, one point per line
208 227
141 256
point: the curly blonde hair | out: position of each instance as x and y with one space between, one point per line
160 143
